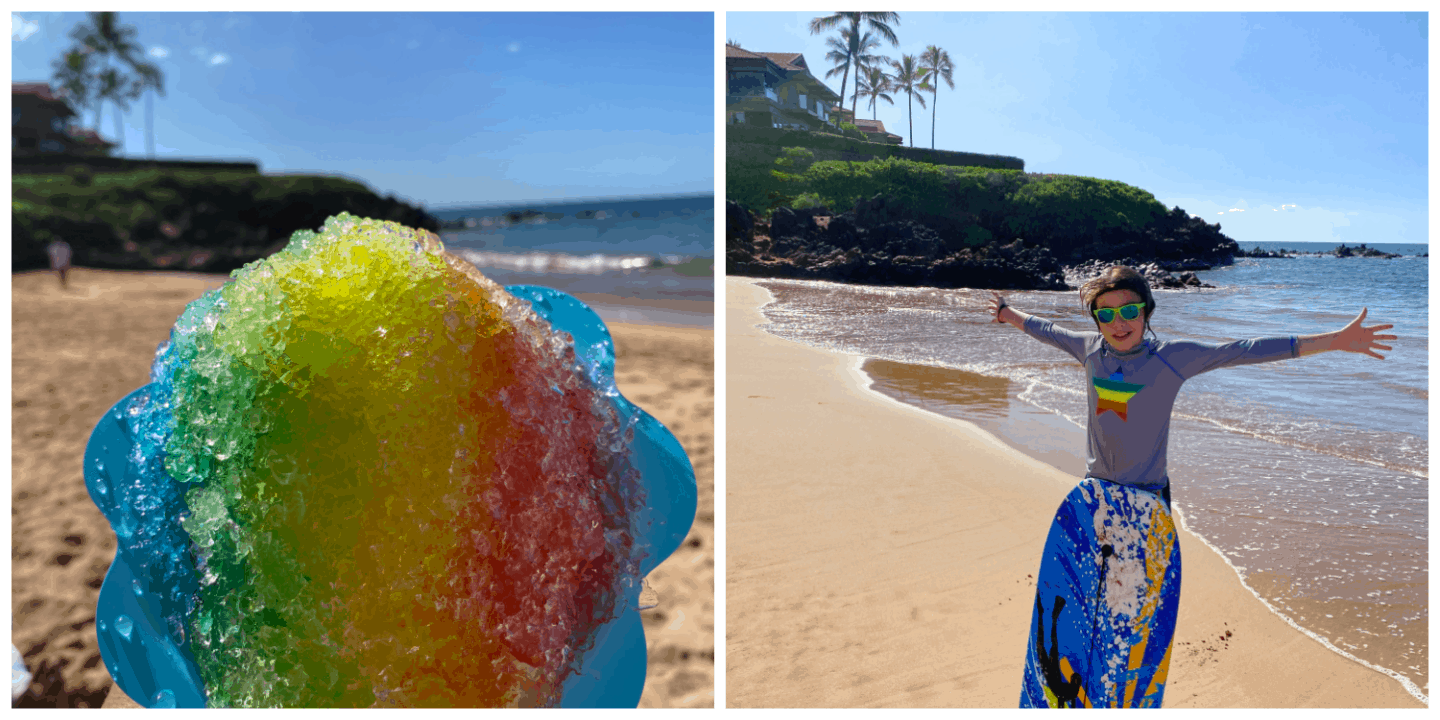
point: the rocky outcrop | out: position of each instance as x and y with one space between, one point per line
880 242
1157 274
877 249
1362 251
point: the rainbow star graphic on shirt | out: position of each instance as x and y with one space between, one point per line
1114 395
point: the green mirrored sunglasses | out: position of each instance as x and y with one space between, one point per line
1129 312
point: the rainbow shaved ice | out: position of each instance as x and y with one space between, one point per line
365 475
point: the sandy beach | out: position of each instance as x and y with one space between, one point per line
78 351
883 556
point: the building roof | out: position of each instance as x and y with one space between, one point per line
44 95
873 127
788 61
90 137
41 89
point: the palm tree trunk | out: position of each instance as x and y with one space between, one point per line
150 124
910 110
933 112
119 128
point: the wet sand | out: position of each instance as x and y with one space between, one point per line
883 556
77 352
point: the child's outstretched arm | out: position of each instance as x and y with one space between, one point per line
1076 344
1352 338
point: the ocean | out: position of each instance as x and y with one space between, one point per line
1310 476
643 259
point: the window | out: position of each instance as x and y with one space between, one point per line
802 101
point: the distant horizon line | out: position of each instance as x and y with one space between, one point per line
570 200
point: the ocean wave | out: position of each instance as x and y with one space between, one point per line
562 263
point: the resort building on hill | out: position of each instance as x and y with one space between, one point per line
875 132
41 123
775 90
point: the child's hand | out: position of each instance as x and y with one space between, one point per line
997 303
1359 339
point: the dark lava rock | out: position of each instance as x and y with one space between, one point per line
1362 251
1159 275
881 242
739 224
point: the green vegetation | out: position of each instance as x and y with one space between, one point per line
751 155
973 204
194 220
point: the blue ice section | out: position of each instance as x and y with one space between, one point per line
147 591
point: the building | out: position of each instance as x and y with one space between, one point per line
41 123
775 90
875 132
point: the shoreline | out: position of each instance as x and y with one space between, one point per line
867 381
1216 614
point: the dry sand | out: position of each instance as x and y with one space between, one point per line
78 352
882 556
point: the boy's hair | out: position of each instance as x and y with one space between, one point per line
1118 277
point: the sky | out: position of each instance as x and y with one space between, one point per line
1282 127
442 109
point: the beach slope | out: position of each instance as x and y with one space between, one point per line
882 556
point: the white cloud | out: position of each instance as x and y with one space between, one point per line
1222 212
513 47
159 52
1237 209
1289 207
21 29
212 59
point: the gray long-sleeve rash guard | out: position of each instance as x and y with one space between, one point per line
1131 395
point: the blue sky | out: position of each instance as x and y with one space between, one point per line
1286 127
445 109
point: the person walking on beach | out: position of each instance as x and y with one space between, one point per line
1109 581
59 252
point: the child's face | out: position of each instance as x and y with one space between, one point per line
1123 335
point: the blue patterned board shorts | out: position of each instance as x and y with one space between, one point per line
1105 601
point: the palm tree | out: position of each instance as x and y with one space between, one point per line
876 21
74 77
874 83
152 78
911 78
106 40
840 55
937 65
